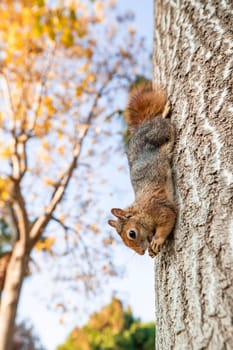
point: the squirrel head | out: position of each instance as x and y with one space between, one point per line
134 233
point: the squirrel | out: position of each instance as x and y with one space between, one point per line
149 220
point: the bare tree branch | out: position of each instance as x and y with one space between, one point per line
22 220
44 80
40 224
8 97
21 213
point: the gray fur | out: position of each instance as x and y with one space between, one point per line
147 162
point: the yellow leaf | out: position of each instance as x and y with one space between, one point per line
5 188
45 145
83 68
62 218
59 134
47 125
49 105
26 16
94 228
67 37
49 182
89 53
61 150
91 77
5 152
45 157
98 8
79 91
43 128
45 244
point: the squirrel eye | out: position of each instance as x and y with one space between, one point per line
132 234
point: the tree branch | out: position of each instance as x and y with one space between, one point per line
20 213
8 97
40 224
18 170
42 88
61 186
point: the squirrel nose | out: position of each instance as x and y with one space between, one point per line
140 250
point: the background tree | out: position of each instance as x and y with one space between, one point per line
112 328
5 250
61 67
25 338
193 57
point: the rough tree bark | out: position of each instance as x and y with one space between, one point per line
193 57
13 284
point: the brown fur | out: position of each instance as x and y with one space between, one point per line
144 104
149 220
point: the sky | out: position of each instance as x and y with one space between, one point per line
137 287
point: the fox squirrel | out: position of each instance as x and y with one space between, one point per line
148 221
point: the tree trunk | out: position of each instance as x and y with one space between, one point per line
10 295
193 57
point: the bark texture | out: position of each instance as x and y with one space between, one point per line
12 287
193 57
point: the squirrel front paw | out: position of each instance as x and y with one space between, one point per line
151 253
155 246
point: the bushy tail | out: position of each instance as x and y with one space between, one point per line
144 104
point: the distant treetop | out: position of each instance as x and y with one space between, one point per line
112 328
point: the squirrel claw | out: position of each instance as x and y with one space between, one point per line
166 110
151 253
155 246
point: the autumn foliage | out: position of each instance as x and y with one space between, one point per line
63 66
112 328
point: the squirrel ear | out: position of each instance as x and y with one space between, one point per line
119 213
112 223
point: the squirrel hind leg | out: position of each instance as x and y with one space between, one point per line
166 110
167 147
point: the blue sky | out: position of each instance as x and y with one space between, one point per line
143 10
137 286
